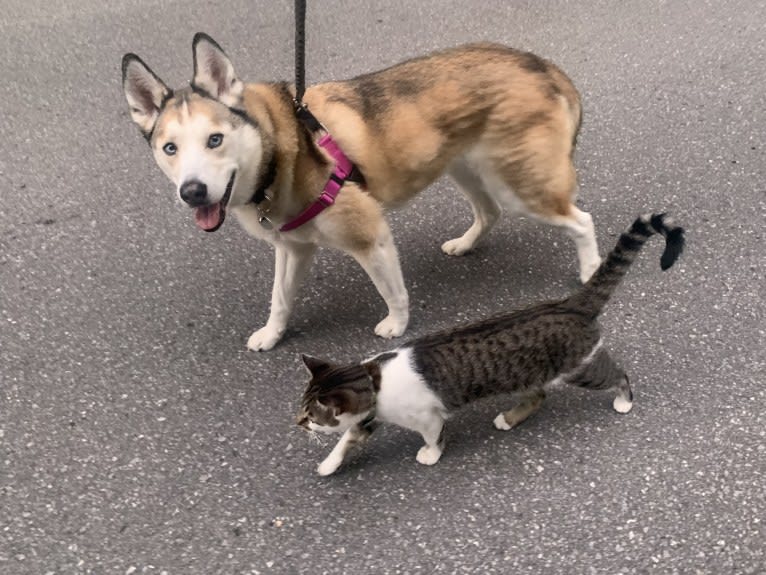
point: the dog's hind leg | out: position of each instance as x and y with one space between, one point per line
485 208
291 265
381 262
579 227
542 180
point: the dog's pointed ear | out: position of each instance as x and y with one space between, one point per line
144 91
214 72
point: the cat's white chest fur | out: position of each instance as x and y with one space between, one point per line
404 398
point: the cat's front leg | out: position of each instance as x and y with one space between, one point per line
528 405
433 434
351 437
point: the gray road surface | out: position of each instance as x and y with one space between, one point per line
137 435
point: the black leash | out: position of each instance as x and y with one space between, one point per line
300 51
302 112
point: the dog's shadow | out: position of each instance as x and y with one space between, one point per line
519 263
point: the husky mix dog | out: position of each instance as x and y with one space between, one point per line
501 122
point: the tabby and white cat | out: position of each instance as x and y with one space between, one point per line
420 383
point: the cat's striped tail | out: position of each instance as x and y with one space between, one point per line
597 291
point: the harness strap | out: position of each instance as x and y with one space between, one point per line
338 177
313 125
344 169
306 118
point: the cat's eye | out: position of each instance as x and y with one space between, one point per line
170 149
215 140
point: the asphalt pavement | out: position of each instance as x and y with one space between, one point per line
138 435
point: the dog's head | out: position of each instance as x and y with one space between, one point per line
201 136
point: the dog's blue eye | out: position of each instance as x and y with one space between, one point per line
215 140
170 149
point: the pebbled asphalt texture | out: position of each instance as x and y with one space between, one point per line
138 435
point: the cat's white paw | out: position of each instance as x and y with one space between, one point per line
588 269
456 247
264 339
428 455
328 466
622 405
391 326
501 423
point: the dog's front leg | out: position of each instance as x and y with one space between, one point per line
291 265
381 262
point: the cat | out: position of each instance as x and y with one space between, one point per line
522 353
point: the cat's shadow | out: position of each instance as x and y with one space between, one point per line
473 440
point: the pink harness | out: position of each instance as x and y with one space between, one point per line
341 171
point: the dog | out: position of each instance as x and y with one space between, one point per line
501 122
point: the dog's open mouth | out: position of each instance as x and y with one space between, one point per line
210 218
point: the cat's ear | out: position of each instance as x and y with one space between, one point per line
314 364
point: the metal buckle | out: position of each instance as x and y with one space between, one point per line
266 223
308 119
263 212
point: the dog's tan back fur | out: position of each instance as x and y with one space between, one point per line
404 125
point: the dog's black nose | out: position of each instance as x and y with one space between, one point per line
194 193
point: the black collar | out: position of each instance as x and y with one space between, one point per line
369 423
266 181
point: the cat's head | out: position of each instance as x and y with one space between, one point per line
336 397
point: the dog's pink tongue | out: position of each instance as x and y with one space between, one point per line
209 218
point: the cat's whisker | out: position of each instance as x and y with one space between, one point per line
314 437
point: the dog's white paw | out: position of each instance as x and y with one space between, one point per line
456 247
263 339
501 423
587 270
328 466
391 327
428 455
622 405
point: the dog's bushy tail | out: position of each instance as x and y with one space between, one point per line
596 292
